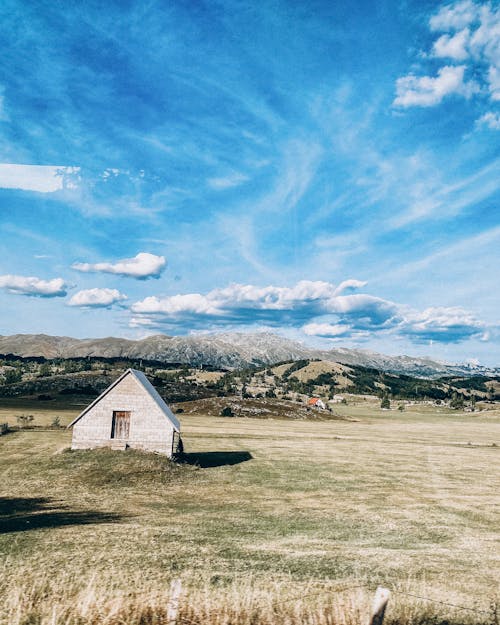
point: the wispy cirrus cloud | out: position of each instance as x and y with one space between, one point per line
317 308
96 298
232 179
33 286
142 266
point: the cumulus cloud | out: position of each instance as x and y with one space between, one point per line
270 304
470 34
453 47
448 325
32 286
454 16
96 298
141 267
437 324
40 178
427 91
317 308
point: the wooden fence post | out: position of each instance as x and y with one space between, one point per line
379 605
173 603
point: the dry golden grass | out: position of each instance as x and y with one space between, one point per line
44 412
312 370
406 500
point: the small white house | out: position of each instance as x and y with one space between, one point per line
128 414
337 399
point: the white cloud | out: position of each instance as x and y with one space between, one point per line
96 298
438 323
40 178
454 16
142 266
492 120
453 47
242 300
30 285
494 83
178 304
349 285
471 35
327 330
318 308
412 90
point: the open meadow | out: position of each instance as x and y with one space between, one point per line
268 521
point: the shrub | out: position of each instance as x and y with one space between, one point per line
226 412
4 428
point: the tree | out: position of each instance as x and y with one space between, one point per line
11 376
457 402
472 402
45 370
385 403
226 412
244 392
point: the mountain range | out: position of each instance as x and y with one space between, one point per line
225 350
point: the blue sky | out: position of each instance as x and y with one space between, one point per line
326 170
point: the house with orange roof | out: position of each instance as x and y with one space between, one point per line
316 402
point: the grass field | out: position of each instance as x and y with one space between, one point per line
276 517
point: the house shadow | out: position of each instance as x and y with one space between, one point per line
210 459
30 513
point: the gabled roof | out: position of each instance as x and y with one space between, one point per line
147 386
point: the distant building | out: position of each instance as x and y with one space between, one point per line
337 399
129 414
315 402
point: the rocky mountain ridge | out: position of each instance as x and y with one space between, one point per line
224 350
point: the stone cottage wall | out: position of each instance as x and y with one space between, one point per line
150 429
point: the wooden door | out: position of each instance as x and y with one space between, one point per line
120 427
